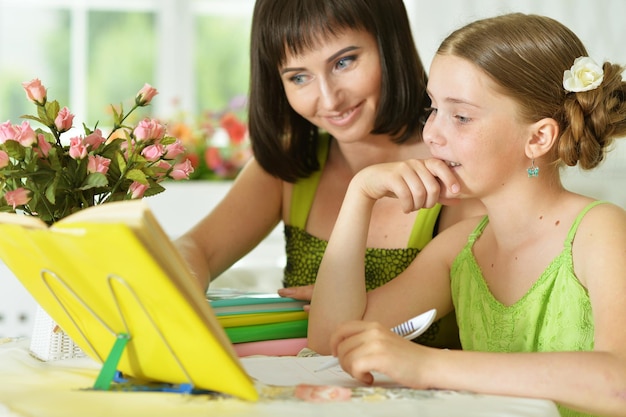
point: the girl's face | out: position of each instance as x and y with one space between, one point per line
336 86
474 127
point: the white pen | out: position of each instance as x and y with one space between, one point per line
409 329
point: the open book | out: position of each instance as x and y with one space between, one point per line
110 270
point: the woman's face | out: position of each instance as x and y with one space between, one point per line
336 86
474 127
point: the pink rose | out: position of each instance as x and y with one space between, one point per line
43 146
64 119
78 150
322 393
4 159
145 95
98 163
149 129
94 140
137 189
153 152
35 91
17 197
174 149
182 170
161 167
23 134
7 131
26 135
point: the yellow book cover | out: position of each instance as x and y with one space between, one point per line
111 269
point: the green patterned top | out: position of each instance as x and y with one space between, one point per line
554 315
304 251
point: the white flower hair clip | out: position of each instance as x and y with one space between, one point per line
584 75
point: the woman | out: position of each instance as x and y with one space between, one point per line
538 286
336 86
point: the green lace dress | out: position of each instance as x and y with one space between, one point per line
554 315
304 251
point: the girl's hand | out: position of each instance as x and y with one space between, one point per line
416 183
364 347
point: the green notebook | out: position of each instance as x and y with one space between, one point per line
273 331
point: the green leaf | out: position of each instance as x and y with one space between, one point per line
52 110
37 119
121 162
167 140
54 159
94 180
154 189
51 191
14 149
43 116
137 175
116 115
87 130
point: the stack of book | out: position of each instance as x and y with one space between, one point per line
260 323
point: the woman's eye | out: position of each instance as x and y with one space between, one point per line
463 119
428 111
298 79
345 62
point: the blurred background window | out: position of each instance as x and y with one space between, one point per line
93 53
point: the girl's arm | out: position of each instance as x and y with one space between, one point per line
592 382
339 294
246 215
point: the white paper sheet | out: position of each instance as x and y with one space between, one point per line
290 371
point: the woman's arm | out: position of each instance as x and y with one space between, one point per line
246 215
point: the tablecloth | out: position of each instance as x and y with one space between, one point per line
33 388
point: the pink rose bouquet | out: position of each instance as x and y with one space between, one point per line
45 175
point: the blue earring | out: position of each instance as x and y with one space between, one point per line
533 171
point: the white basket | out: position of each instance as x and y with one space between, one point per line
50 343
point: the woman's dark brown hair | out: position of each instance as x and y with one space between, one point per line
284 143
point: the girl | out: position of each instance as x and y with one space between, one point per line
513 98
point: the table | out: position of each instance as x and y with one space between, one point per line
32 388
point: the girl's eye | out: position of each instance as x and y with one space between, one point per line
345 62
463 119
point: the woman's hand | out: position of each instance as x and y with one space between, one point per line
364 347
304 292
416 183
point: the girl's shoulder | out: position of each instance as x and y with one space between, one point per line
602 216
599 243
450 242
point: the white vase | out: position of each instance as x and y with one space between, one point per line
49 342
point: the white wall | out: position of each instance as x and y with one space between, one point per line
599 24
